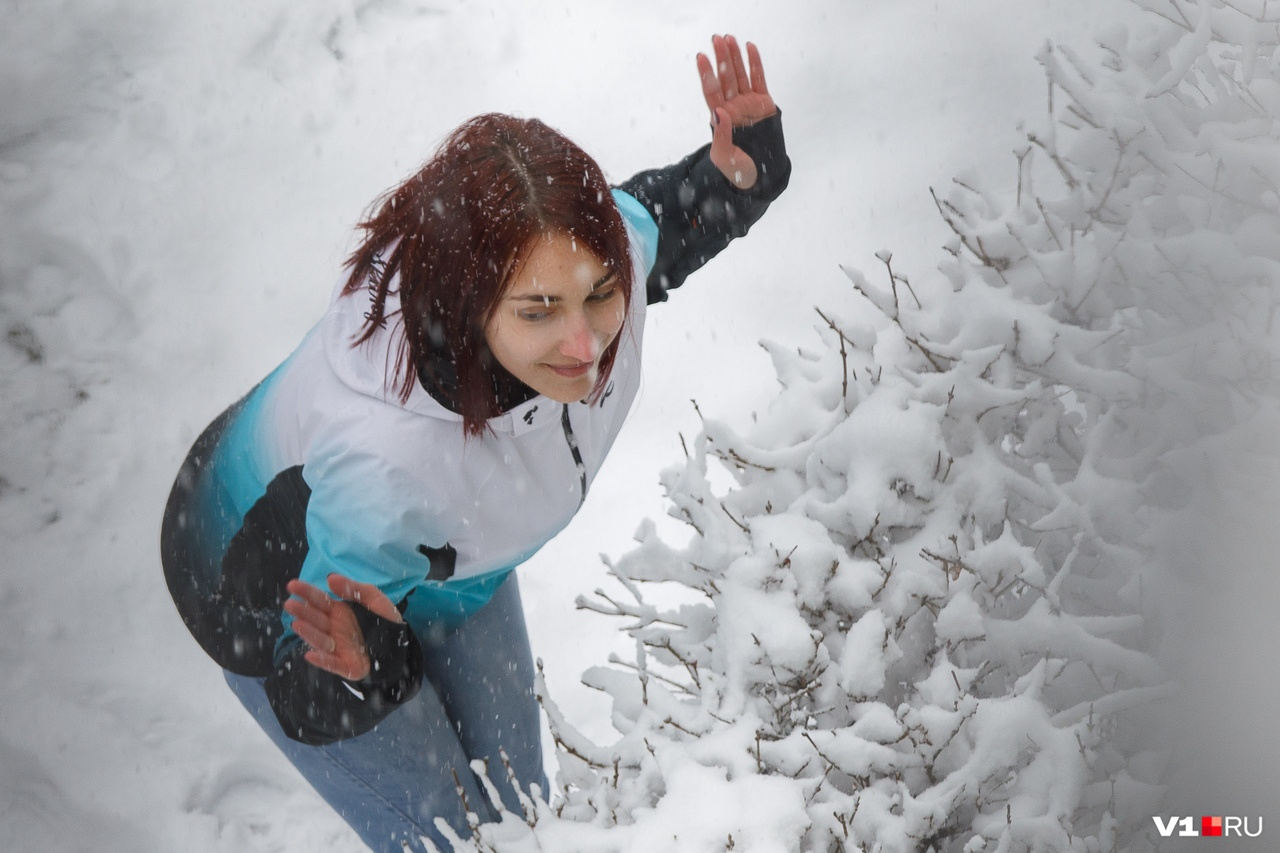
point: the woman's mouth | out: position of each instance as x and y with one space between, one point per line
573 371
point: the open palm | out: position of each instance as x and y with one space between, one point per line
737 95
329 626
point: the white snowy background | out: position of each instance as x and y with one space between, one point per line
178 188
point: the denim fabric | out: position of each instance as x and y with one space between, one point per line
392 782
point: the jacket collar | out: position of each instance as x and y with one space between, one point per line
438 375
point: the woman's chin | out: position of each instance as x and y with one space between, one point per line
567 389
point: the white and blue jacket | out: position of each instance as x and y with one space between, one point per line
322 468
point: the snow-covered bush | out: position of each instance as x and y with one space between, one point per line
930 614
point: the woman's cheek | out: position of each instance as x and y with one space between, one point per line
611 322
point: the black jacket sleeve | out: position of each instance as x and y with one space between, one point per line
698 210
317 707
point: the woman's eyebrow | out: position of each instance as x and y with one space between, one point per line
550 300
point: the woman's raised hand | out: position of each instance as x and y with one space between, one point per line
329 627
736 98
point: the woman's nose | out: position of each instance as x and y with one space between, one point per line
579 342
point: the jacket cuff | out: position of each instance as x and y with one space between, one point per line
765 144
394 655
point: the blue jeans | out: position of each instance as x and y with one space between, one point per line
392 782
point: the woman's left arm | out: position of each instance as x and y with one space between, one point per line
347 658
346 663
717 193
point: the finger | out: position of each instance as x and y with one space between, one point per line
739 69
311 595
734 163
710 85
724 69
302 613
343 587
721 137
317 639
367 595
361 593
757 70
722 149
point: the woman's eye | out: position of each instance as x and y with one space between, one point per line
603 295
537 309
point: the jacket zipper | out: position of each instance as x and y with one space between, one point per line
573 448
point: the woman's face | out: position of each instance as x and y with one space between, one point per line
559 314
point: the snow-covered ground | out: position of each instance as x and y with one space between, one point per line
179 185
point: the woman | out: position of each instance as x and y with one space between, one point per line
348 529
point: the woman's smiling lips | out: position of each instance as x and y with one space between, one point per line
573 371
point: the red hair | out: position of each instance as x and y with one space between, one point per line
457 232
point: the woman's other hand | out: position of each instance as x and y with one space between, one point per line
329 627
736 98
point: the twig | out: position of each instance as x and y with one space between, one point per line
745 529
1072 183
844 356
